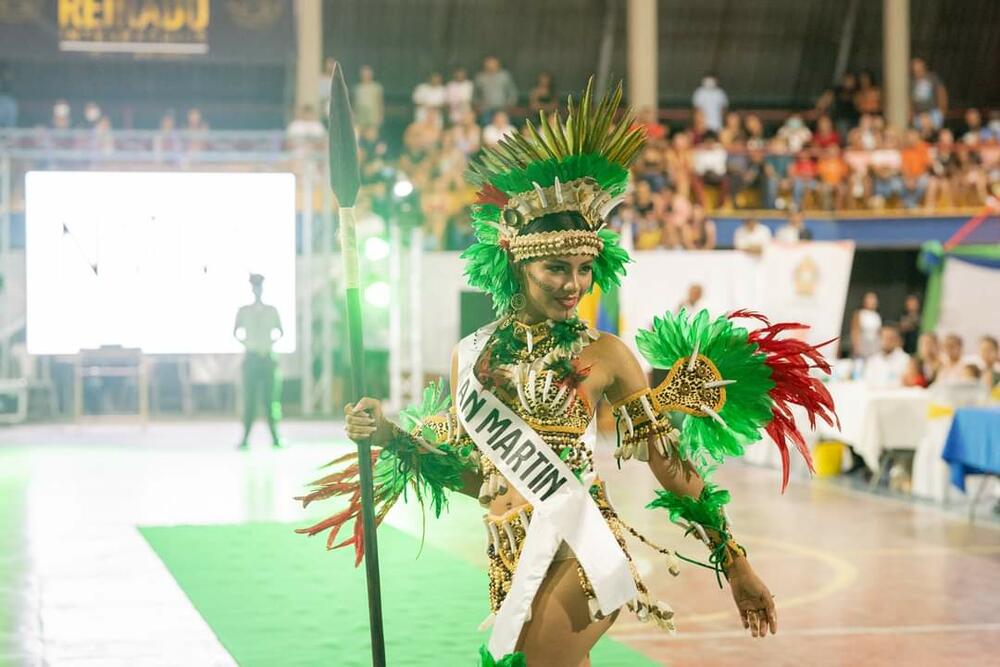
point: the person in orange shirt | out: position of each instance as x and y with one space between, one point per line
916 166
833 172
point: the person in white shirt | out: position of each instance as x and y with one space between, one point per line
886 368
430 94
794 230
459 93
751 237
258 327
498 129
712 101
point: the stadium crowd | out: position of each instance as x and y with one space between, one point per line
838 156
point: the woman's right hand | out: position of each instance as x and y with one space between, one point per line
364 421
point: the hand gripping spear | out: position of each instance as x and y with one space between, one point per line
345 180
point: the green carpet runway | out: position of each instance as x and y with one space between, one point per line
276 598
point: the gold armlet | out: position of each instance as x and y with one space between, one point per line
638 423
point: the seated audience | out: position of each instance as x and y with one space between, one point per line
929 355
751 237
794 229
699 232
889 365
952 365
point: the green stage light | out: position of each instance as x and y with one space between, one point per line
376 249
377 294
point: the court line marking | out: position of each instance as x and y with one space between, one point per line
847 631
844 574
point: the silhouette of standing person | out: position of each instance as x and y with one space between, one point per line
255 327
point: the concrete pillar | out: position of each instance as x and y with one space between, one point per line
642 54
896 62
309 52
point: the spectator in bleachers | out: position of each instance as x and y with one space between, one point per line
794 230
62 117
102 140
498 128
974 130
745 168
909 323
495 90
167 143
868 96
833 174
650 168
989 356
886 167
751 237
755 133
91 115
732 133
804 174
711 100
655 131
947 169
916 164
866 324
889 364
459 93
795 133
927 93
929 354
467 135
369 100
973 185
825 135
776 177
870 128
838 103
859 161
709 164
699 129
645 213
699 233
680 163
952 364
430 96
543 95
925 126
195 131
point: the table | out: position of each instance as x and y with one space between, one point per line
973 444
874 420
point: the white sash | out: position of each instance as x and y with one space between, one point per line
563 508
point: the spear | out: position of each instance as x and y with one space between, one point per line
345 181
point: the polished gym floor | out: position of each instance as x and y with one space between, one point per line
859 579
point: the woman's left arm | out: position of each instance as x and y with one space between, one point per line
679 477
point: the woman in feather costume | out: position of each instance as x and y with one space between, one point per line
518 429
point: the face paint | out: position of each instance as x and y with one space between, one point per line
553 286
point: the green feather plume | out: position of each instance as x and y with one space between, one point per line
748 406
509 660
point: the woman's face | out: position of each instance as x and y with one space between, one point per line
870 301
553 286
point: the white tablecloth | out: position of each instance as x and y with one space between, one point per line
873 420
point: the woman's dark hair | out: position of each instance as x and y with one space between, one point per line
564 221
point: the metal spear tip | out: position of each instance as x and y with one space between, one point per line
345 174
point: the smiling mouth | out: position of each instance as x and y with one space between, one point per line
569 302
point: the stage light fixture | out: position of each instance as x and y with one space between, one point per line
377 294
376 248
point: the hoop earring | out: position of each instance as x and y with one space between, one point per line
518 302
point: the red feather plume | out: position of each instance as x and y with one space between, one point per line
790 361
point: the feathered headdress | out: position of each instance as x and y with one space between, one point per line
579 164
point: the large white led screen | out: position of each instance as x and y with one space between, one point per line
158 261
